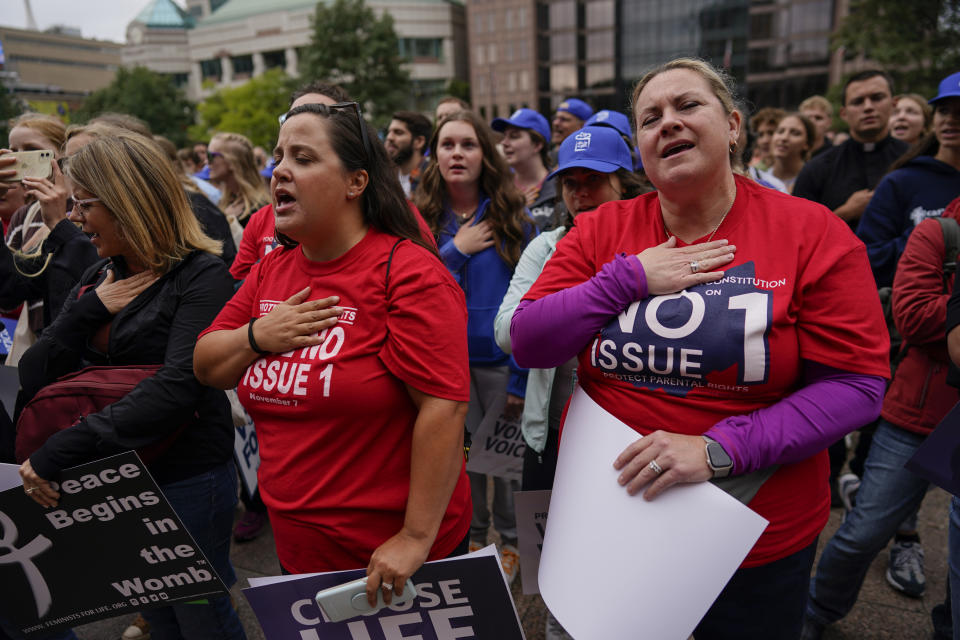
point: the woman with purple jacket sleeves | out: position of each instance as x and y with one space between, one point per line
742 376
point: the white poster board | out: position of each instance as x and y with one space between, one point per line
617 566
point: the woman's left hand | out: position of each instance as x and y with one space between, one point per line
393 562
51 194
37 488
681 459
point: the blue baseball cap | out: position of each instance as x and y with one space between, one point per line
949 88
267 171
611 118
524 119
576 108
598 148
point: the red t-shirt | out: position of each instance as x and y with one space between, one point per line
259 239
335 422
799 288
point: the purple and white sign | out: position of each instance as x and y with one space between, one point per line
459 598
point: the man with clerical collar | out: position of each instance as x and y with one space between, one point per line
407 138
843 177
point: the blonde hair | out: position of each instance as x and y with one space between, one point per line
49 127
817 102
237 150
720 83
925 109
138 185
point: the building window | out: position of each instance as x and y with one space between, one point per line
508 19
210 69
809 50
761 26
600 45
563 15
812 16
242 66
524 80
563 77
180 80
492 53
274 59
421 49
600 14
563 46
478 57
522 17
512 83
600 74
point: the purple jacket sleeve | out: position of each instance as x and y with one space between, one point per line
547 332
831 404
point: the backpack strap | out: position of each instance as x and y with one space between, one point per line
386 278
951 244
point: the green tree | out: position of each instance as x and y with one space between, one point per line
251 109
150 96
918 42
9 108
354 48
459 89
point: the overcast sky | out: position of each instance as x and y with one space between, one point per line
103 19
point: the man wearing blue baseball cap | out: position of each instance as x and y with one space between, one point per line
526 150
571 115
620 122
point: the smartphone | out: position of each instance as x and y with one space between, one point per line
31 164
349 599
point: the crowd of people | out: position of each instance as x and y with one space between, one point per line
721 281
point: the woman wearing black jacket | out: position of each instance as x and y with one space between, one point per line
160 283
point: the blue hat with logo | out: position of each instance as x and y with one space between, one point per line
267 171
949 88
524 119
598 148
611 118
576 108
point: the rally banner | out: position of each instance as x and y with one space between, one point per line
459 598
497 448
531 509
7 327
113 545
246 448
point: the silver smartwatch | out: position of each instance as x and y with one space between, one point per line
717 458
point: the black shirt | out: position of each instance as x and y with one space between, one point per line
953 320
834 175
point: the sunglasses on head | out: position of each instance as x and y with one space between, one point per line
326 109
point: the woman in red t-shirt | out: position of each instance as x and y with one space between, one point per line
751 371
347 345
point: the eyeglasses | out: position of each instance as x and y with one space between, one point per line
62 162
82 206
211 155
326 109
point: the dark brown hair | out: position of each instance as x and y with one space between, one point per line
507 210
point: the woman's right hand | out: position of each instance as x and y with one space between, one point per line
668 268
295 322
52 195
116 294
473 238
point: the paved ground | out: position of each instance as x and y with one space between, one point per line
880 613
